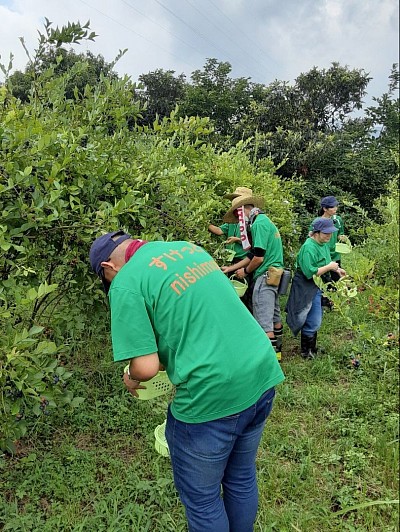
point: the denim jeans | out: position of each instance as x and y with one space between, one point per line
220 453
314 317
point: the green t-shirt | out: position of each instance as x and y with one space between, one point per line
338 223
265 235
172 298
233 230
312 256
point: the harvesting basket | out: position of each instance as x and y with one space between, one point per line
341 247
160 443
240 285
158 385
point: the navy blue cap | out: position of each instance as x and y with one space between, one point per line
329 201
324 225
101 250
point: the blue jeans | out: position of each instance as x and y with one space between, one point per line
314 317
220 453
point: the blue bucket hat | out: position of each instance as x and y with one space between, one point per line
329 201
101 250
324 225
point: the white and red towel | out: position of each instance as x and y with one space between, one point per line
242 227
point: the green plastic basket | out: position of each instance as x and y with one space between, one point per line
240 285
160 443
341 247
158 385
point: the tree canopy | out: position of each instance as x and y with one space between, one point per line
308 128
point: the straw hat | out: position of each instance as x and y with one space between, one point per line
239 201
239 191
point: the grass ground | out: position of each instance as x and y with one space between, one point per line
328 459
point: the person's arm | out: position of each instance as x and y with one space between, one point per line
250 268
232 240
215 230
145 367
141 369
133 337
234 267
257 258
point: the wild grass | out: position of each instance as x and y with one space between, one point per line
328 459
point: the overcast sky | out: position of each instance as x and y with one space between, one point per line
262 39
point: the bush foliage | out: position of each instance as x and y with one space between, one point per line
75 167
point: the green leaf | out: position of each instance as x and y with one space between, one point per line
366 505
35 329
16 407
30 458
76 401
31 294
5 246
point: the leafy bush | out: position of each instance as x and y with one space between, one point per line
382 243
32 382
74 167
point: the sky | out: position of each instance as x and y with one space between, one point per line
263 40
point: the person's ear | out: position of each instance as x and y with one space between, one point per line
109 265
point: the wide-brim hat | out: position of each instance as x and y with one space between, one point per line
239 191
257 201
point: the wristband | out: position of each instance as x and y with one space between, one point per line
245 271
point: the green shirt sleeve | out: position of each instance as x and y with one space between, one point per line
261 236
307 263
339 225
224 228
131 329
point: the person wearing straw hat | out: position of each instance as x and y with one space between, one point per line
303 308
264 262
231 231
239 191
167 300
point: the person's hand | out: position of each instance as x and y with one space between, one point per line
333 266
232 240
343 238
225 269
241 274
132 385
341 272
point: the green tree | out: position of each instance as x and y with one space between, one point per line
84 68
386 111
161 94
329 96
361 157
215 94
309 127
